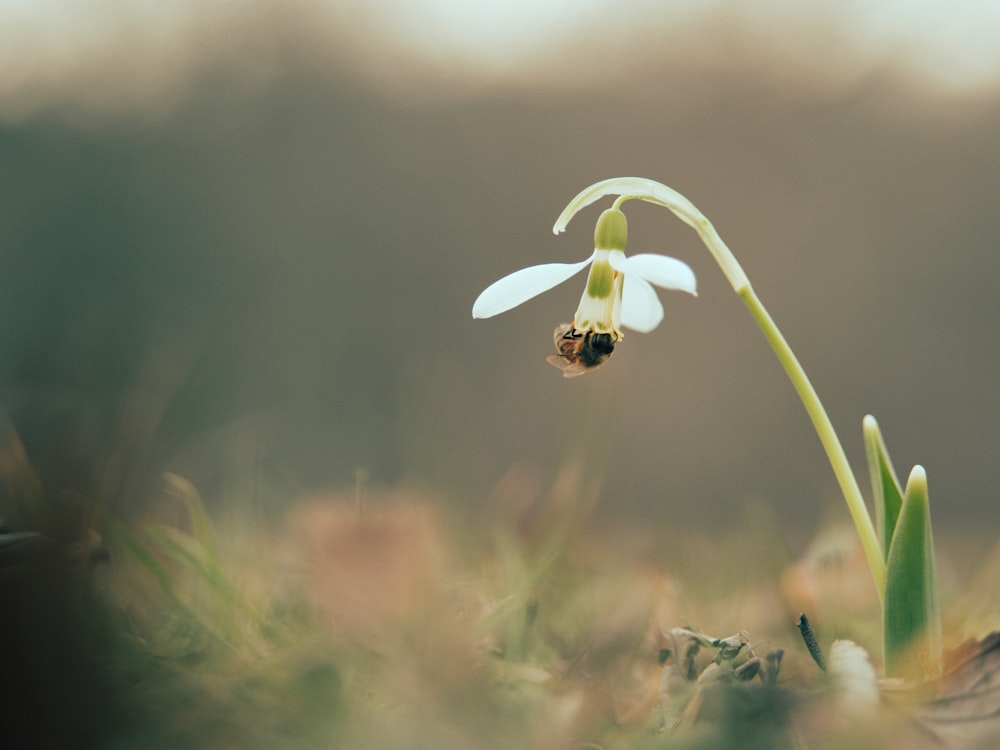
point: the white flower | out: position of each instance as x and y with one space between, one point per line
618 292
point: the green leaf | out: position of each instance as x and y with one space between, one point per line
887 494
132 544
911 617
201 524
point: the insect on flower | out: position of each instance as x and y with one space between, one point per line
580 352
619 293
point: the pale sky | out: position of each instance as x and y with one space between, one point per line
100 52
956 42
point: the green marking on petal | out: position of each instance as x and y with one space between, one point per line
601 282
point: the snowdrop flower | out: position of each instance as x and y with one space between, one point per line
619 289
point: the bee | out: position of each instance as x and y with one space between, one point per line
580 351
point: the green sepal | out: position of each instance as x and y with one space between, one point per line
911 625
886 491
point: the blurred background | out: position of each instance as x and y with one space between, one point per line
241 241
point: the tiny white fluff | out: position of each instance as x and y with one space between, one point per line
854 679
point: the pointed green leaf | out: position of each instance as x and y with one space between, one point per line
911 618
887 494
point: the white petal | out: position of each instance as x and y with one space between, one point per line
637 187
520 286
641 310
661 270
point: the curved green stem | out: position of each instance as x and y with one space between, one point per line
827 435
637 188
800 381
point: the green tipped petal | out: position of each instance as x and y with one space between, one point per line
601 281
600 305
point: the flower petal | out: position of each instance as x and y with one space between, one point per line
661 270
520 286
641 310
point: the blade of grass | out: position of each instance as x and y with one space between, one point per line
201 523
230 611
23 486
886 491
184 549
131 543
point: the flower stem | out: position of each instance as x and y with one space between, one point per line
827 435
688 213
637 188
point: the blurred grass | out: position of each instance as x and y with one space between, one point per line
387 618
387 623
